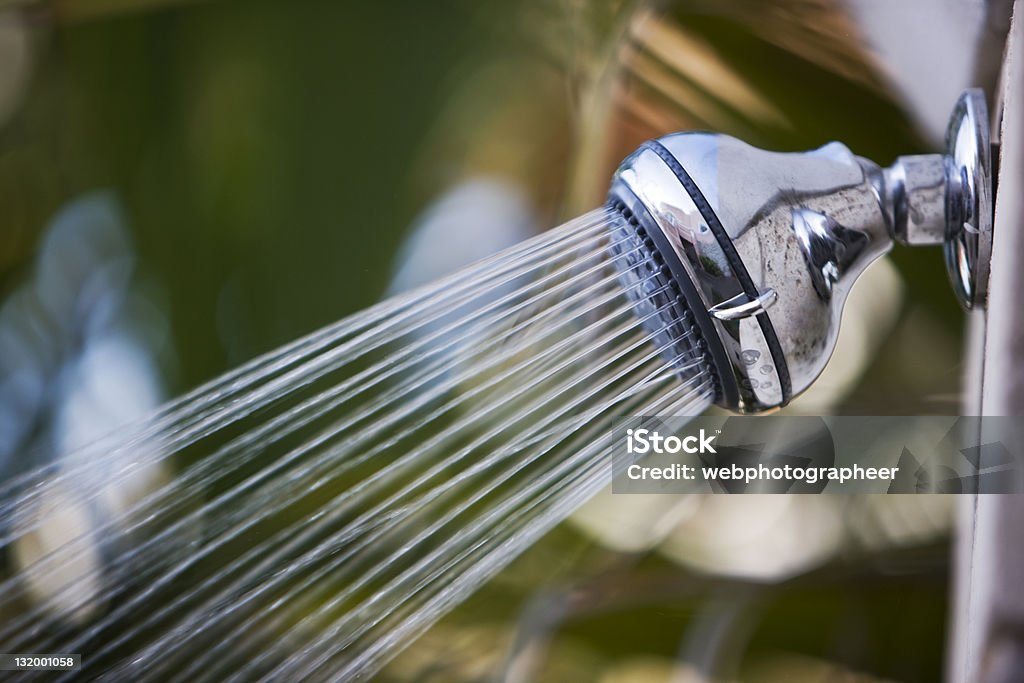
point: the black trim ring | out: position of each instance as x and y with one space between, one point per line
738 267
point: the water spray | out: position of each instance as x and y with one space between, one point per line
760 249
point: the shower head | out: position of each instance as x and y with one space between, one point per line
760 249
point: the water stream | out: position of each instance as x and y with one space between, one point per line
335 497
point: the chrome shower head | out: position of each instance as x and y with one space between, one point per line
761 248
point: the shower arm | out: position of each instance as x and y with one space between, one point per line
764 246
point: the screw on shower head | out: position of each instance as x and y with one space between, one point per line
762 248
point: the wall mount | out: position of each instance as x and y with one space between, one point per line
947 199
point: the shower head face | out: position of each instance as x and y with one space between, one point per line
764 247
661 305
